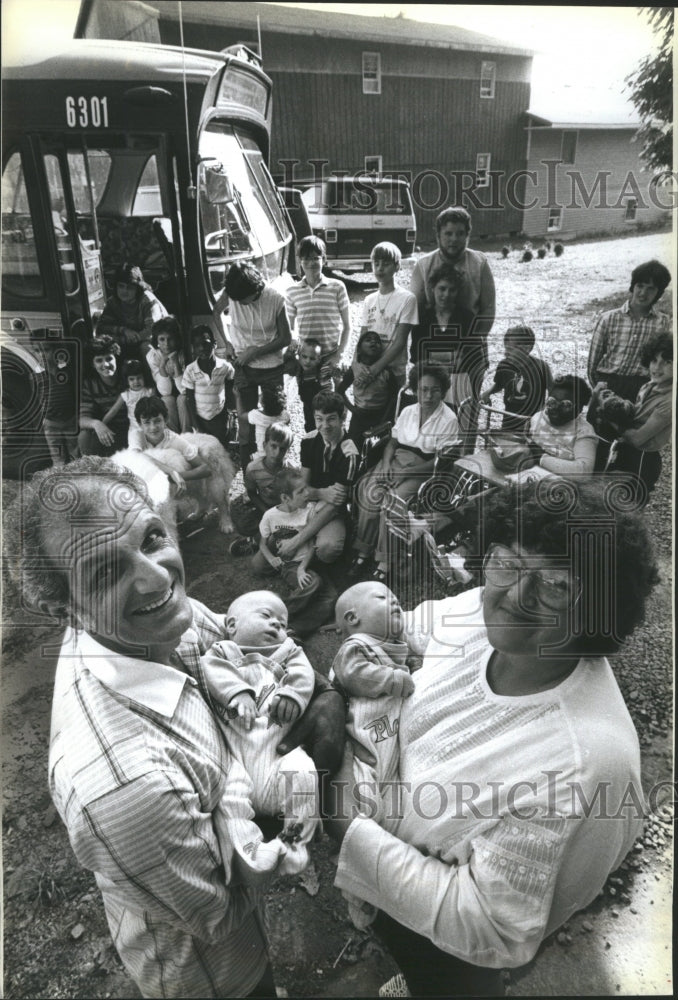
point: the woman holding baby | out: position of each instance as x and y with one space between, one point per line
516 726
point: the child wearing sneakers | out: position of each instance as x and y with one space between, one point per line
372 668
247 509
261 683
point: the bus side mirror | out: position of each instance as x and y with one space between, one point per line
216 186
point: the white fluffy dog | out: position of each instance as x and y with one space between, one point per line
201 495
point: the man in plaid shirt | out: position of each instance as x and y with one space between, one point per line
620 335
137 766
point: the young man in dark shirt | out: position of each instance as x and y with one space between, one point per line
329 460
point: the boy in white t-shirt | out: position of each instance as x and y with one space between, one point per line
390 311
312 599
151 414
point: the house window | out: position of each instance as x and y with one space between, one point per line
630 209
371 73
373 165
555 219
569 147
482 170
488 74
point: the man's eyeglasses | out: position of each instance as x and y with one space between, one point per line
555 588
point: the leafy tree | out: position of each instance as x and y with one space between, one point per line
651 87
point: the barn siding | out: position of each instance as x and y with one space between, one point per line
429 120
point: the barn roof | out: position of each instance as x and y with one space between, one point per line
275 17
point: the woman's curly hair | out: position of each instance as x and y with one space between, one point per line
595 526
47 502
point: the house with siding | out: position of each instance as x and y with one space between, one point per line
585 177
440 105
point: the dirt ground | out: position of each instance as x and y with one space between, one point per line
55 936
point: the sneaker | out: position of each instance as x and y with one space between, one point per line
396 987
242 547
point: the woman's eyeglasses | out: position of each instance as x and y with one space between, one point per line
555 588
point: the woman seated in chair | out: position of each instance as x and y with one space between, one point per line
563 441
130 312
418 434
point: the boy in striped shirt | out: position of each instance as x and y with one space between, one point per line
318 306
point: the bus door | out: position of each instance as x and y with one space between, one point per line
73 185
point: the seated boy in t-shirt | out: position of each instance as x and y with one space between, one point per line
151 413
262 494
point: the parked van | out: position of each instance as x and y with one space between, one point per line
353 214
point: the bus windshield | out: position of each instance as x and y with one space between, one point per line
240 212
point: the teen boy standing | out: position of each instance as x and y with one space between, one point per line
317 306
390 311
620 335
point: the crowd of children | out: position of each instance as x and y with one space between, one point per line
293 521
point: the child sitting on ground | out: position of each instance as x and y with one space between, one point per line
262 494
374 399
151 415
135 391
311 601
637 449
271 410
524 378
311 375
261 682
372 669
166 362
562 440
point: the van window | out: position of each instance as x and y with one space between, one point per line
357 197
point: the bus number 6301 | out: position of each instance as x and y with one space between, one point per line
87 112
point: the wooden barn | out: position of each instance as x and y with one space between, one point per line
586 178
441 105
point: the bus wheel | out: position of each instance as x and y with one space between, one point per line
24 448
